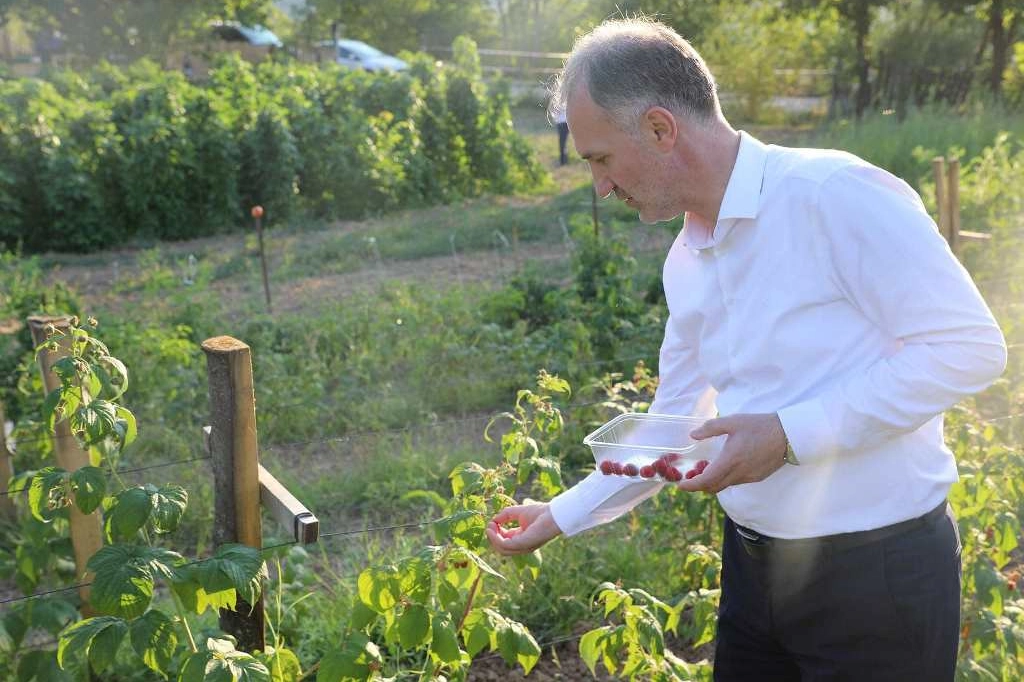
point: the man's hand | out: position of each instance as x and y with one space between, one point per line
755 447
536 527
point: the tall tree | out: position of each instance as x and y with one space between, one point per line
859 14
1002 24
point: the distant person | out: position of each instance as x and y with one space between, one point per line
563 136
821 325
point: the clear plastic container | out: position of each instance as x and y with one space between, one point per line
648 446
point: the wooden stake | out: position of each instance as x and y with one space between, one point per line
6 470
234 449
953 202
939 171
86 529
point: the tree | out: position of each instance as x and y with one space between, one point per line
1002 23
395 25
104 29
859 14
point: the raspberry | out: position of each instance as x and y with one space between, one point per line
691 473
661 467
670 457
673 475
607 467
647 471
700 466
630 470
617 468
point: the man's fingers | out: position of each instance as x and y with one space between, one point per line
708 479
712 427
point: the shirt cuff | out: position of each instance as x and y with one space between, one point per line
598 499
807 429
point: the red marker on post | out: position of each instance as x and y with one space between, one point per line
257 214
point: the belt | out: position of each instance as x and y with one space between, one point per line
759 545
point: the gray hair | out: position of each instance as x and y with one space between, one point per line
630 65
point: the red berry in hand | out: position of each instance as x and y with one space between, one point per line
630 470
647 471
691 473
673 475
700 466
607 467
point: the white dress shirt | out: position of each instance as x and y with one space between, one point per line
824 293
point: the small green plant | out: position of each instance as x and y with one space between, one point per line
125 572
427 615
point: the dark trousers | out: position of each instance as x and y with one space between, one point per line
879 606
563 138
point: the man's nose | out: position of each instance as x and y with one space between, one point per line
603 186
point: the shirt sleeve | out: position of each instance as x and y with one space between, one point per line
892 264
598 499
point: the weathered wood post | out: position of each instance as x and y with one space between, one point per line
953 204
6 469
235 452
86 529
939 173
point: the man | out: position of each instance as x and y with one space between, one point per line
815 308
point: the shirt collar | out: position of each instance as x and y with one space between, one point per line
742 195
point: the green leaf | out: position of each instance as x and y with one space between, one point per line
466 477
413 626
123 582
379 587
216 665
444 644
517 645
233 566
169 503
357 658
90 485
361 616
95 421
96 639
154 639
47 493
592 646
125 427
282 663
477 629
197 598
549 475
50 407
129 511
115 379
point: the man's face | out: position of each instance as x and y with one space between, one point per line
627 164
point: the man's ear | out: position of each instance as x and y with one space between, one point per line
661 126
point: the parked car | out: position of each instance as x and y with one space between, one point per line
234 32
254 44
355 54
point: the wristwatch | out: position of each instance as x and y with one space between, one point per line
790 456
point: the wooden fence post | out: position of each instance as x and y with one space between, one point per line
939 172
86 529
234 449
953 204
6 469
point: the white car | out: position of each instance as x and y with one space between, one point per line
355 54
